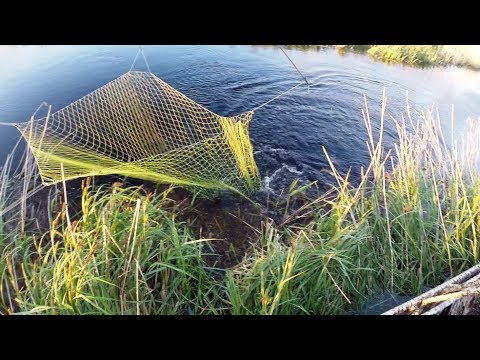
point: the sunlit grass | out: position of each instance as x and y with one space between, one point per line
423 55
400 231
411 222
126 254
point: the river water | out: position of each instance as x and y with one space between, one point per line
288 134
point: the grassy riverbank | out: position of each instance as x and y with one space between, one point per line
411 55
421 55
128 250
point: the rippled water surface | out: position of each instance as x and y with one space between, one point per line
287 134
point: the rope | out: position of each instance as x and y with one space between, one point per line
260 106
32 117
145 59
294 87
140 50
288 57
38 109
276 97
136 56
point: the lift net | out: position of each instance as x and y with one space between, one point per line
139 126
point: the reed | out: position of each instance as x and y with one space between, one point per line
401 230
411 222
422 55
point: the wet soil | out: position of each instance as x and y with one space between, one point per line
233 223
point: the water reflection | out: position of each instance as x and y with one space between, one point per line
288 135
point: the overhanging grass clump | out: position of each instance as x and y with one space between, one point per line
412 222
422 55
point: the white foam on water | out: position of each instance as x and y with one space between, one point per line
268 179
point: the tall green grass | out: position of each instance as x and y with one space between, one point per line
126 254
401 231
412 222
3 236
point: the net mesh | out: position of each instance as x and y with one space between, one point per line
139 126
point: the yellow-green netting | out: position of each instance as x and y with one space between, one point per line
139 126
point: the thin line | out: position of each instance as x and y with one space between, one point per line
38 109
276 97
136 56
145 59
288 57
33 116
140 51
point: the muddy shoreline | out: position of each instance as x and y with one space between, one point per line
232 220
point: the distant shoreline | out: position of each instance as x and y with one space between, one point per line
421 55
412 55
